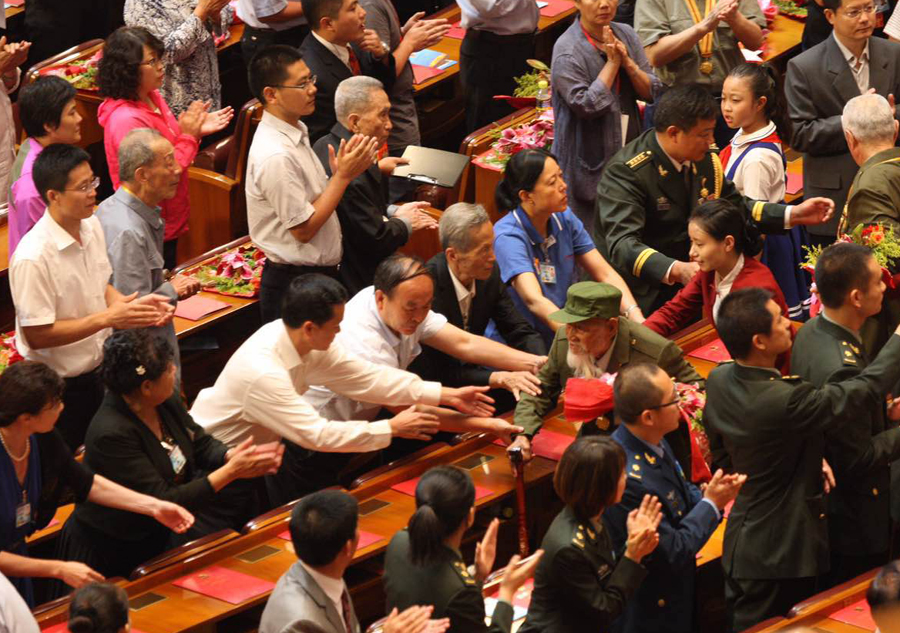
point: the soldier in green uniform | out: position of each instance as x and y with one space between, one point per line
829 349
596 340
650 186
772 428
581 583
423 564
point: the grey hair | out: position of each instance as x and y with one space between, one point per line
354 94
457 223
136 151
869 118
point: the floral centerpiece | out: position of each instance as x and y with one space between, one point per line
527 84
882 240
691 401
8 352
537 134
236 272
792 8
82 73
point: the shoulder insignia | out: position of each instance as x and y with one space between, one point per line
634 476
578 543
464 574
725 362
791 378
637 457
639 160
663 172
651 459
635 467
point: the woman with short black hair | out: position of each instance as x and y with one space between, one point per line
143 437
37 468
579 578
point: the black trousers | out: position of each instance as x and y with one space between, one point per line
170 253
81 399
254 40
750 602
275 280
488 64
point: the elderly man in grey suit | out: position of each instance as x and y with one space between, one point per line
819 82
324 533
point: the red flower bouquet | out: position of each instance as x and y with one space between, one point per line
8 352
236 273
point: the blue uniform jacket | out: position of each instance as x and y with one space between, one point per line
665 600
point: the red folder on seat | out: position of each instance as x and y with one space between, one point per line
196 307
857 614
421 74
224 584
456 32
408 487
713 351
547 444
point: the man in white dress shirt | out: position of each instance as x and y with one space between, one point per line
290 200
59 279
259 392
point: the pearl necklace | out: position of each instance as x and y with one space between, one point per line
9 452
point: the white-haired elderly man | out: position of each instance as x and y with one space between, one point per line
469 292
371 228
133 226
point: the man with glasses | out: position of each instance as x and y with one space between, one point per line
595 341
646 403
819 82
290 201
59 280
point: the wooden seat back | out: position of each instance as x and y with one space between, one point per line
182 553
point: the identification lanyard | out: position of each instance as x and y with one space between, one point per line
706 42
23 511
545 269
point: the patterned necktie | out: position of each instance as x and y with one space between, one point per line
347 611
353 61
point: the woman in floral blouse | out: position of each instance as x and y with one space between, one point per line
187 29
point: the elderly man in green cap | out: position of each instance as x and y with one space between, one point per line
595 341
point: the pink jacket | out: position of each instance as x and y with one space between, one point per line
120 116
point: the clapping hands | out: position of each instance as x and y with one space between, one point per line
641 525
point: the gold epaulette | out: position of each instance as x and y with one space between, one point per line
850 353
464 574
639 160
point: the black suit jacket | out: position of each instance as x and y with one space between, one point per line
368 235
491 302
330 71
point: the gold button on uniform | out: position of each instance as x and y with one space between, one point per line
875 492
821 516
661 603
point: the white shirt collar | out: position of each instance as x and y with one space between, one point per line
462 293
743 139
850 57
723 284
340 52
62 238
285 349
298 134
678 165
602 363
333 587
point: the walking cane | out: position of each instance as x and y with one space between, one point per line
518 466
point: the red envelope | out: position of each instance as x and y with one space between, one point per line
456 32
857 614
522 597
421 74
794 183
714 352
365 538
408 487
196 307
224 584
14 3
547 444
555 7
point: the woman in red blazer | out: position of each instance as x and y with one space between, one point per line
724 244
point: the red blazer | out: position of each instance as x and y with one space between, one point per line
696 299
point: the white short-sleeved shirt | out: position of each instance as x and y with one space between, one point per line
259 395
284 178
760 175
251 10
54 278
15 616
365 334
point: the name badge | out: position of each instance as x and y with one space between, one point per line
548 273
176 457
23 514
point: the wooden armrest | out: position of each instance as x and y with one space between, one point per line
268 518
814 603
183 552
69 55
397 463
207 177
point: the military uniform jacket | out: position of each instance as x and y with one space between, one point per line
875 193
643 205
772 429
665 600
859 452
634 343
445 584
579 584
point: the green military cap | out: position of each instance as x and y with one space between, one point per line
589 300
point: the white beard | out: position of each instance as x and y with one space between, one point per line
582 365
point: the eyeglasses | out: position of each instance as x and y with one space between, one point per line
156 61
301 86
854 14
87 187
676 400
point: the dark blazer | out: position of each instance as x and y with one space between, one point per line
860 453
772 429
665 600
446 584
579 585
491 301
121 448
819 82
368 236
330 71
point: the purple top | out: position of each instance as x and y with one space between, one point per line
25 203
